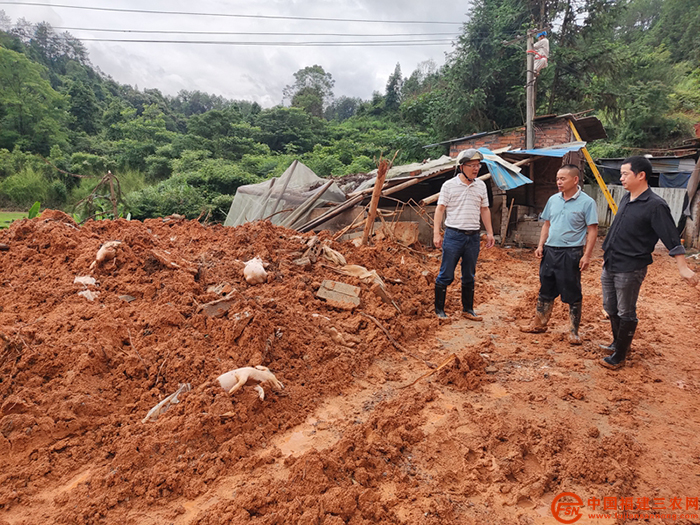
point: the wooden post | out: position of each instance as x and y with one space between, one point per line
504 229
384 166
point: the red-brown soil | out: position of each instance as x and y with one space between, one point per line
493 437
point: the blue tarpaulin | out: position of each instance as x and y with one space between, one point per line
674 180
503 177
554 151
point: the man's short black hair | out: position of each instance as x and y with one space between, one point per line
638 165
572 168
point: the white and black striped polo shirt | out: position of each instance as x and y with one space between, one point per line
463 203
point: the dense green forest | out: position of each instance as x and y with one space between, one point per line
635 63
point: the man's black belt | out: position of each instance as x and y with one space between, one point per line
465 232
564 247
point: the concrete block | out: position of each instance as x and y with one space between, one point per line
339 295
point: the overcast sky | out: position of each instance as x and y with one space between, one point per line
255 73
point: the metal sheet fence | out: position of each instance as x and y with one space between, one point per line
673 196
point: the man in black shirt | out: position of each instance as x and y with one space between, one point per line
642 219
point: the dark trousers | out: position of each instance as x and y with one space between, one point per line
457 245
621 291
560 274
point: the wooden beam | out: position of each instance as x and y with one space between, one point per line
378 184
333 212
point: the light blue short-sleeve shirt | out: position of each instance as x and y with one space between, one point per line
569 220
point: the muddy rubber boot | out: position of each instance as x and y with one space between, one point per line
622 346
615 325
542 314
468 302
440 294
574 323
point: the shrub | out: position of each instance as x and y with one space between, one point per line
158 168
168 197
57 194
24 188
220 206
89 164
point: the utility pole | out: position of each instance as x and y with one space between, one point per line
530 88
530 91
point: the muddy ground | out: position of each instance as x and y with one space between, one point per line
509 423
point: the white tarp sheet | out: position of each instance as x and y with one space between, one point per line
276 198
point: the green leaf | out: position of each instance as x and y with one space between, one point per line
34 210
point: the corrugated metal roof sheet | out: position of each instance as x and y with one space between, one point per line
684 164
505 178
555 151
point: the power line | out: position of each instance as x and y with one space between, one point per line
229 15
251 33
368 43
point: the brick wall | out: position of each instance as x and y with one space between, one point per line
547 133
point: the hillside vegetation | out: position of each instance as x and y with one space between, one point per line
635 63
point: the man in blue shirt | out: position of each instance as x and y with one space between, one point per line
642 219
566 244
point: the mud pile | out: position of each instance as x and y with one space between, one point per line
366 430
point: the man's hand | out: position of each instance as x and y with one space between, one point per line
689 275
539 252
585 262
437 240
490 241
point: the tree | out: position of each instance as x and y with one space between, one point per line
392 99
342 108
84 108
312 90
31 111
484 80
310 100
5 21
423 78
282 128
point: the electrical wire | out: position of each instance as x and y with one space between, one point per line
368 43
229 15
248 33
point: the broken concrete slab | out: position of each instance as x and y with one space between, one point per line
339 295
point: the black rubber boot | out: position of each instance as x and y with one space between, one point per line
615 325
468 302
574 323
440 294
542 314
625 335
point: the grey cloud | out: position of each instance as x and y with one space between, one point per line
247 72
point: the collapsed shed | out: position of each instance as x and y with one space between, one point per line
521 182
284 201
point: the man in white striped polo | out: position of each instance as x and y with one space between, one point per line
463 201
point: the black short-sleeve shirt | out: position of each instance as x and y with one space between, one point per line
638 226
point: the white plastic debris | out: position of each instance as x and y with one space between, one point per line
85 280
89 295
